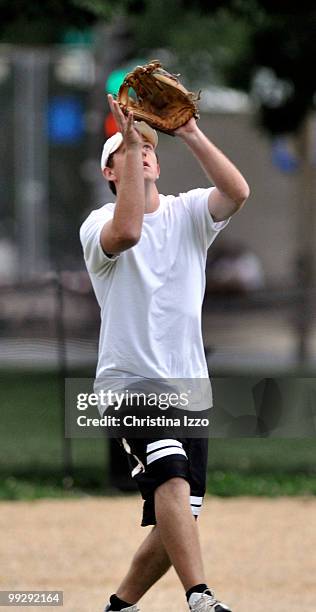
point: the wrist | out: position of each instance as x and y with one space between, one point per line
189 134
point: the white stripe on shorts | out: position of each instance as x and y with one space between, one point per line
164 452
196 504
196 501
161 443
140 466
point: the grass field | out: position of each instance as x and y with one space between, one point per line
32 450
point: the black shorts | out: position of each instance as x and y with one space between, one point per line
154 461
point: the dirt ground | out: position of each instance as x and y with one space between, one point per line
260 554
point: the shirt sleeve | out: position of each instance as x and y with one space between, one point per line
196 201
96 260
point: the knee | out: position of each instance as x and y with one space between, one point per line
174 487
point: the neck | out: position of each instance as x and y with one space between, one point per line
151 197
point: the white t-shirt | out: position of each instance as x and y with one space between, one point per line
151 295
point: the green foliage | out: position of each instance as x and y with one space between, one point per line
203 48
37 484
223 483
26 488
286 43
263 455
99 8
231 484
36 22
218 42
230 41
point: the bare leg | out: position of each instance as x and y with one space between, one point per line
150 562
178 531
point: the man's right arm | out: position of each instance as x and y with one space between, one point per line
124 230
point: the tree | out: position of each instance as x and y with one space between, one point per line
230 41
39 22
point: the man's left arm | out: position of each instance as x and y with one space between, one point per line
231 189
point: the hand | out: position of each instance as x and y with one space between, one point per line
125 124
187 129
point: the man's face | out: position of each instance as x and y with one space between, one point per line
151 167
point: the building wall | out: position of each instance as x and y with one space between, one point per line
267 224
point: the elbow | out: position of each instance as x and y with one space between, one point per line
242 197
129 242
118 241
127 239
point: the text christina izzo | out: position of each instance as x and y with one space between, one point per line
147 421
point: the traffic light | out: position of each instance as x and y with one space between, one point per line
115 79
112 85
117 76
110 125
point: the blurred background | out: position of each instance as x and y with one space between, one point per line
251 60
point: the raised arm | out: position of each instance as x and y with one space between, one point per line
124 230
232 189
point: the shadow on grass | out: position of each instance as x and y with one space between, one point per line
39 483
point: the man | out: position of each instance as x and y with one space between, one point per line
146 258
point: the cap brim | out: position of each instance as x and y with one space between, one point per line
145 130
111 145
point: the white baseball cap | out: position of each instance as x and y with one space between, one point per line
113 143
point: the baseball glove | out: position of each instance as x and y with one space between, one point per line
160 99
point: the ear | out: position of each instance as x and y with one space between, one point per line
158 171
109 174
